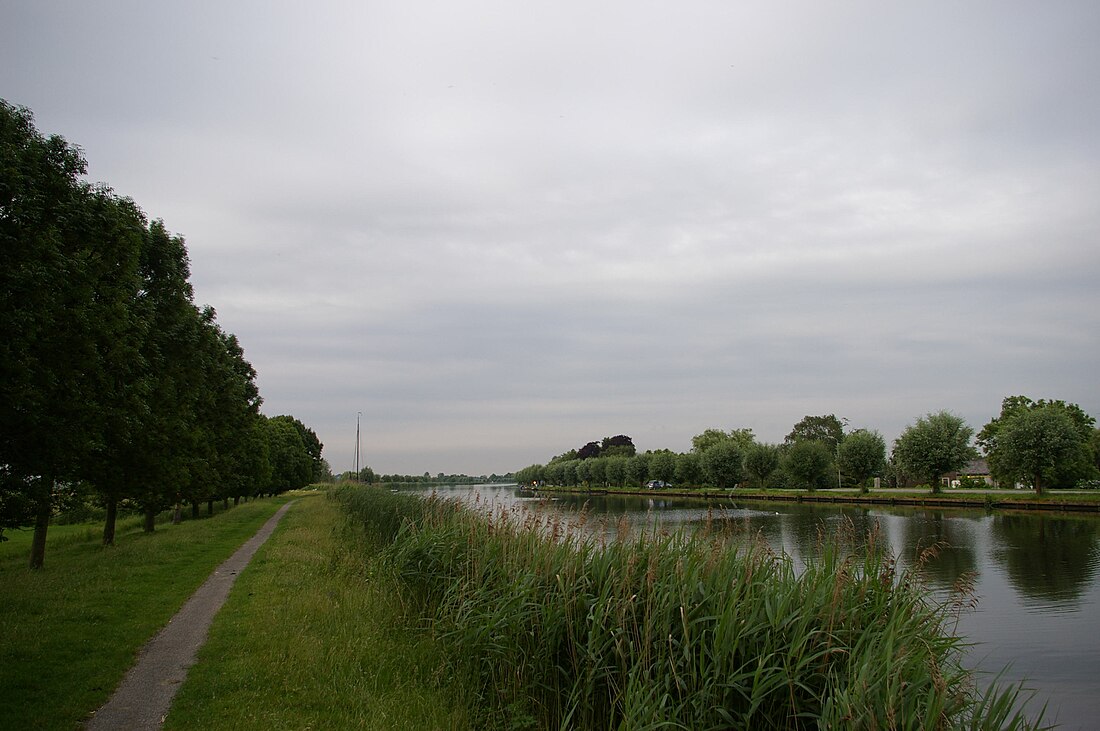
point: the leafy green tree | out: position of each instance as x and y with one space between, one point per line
616 469
153 466
807 462
702 442
68 268
723 464
554 473
618 446
312 444
862 455
933 446
589 451
291 465
662 465
597 472
584 471
637 469
1036 443
743 438
761 461
689 470
827 428
1071 465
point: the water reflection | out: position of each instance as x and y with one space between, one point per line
942 546
1050 558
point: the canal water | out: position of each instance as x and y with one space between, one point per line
1034 574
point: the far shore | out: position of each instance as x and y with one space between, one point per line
1086 501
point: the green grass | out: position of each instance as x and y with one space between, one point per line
71 630
313 636
680 632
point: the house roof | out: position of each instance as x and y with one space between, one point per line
975 467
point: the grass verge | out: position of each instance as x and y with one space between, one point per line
70 631
313 636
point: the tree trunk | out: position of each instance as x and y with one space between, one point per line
236 501
210 506
150 523
225 502
109 523
177 513
41 524
936 485
1038 484
194 508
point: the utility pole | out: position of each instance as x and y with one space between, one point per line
357 415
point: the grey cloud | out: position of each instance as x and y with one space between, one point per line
500 229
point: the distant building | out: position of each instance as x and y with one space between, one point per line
975 469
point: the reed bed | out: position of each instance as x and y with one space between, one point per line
558 631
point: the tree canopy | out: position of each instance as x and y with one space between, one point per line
862 455
933 446
827 428
110 376
1044 443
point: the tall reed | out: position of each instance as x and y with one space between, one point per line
677 632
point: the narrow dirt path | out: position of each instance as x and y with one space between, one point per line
142 699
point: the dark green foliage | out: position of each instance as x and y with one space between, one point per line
862 455
617 446
589 451
662 466
743 438
676 631
1038 443
935 445
312 444
109 374
1044 443
761 461
828 429
723 464
291 464
689 470
807 463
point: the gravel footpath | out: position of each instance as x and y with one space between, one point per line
142 699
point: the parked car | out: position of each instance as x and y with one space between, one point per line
656 485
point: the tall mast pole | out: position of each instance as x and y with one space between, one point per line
357 415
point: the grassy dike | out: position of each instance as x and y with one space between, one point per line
69 632
314 636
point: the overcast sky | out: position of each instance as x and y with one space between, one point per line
502 229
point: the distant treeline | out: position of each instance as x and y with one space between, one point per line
114 385
368 476
1040 444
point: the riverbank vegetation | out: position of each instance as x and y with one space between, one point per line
117 390
660 631
1037 444
69 631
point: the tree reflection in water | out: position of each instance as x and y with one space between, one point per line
949 541
1050 558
